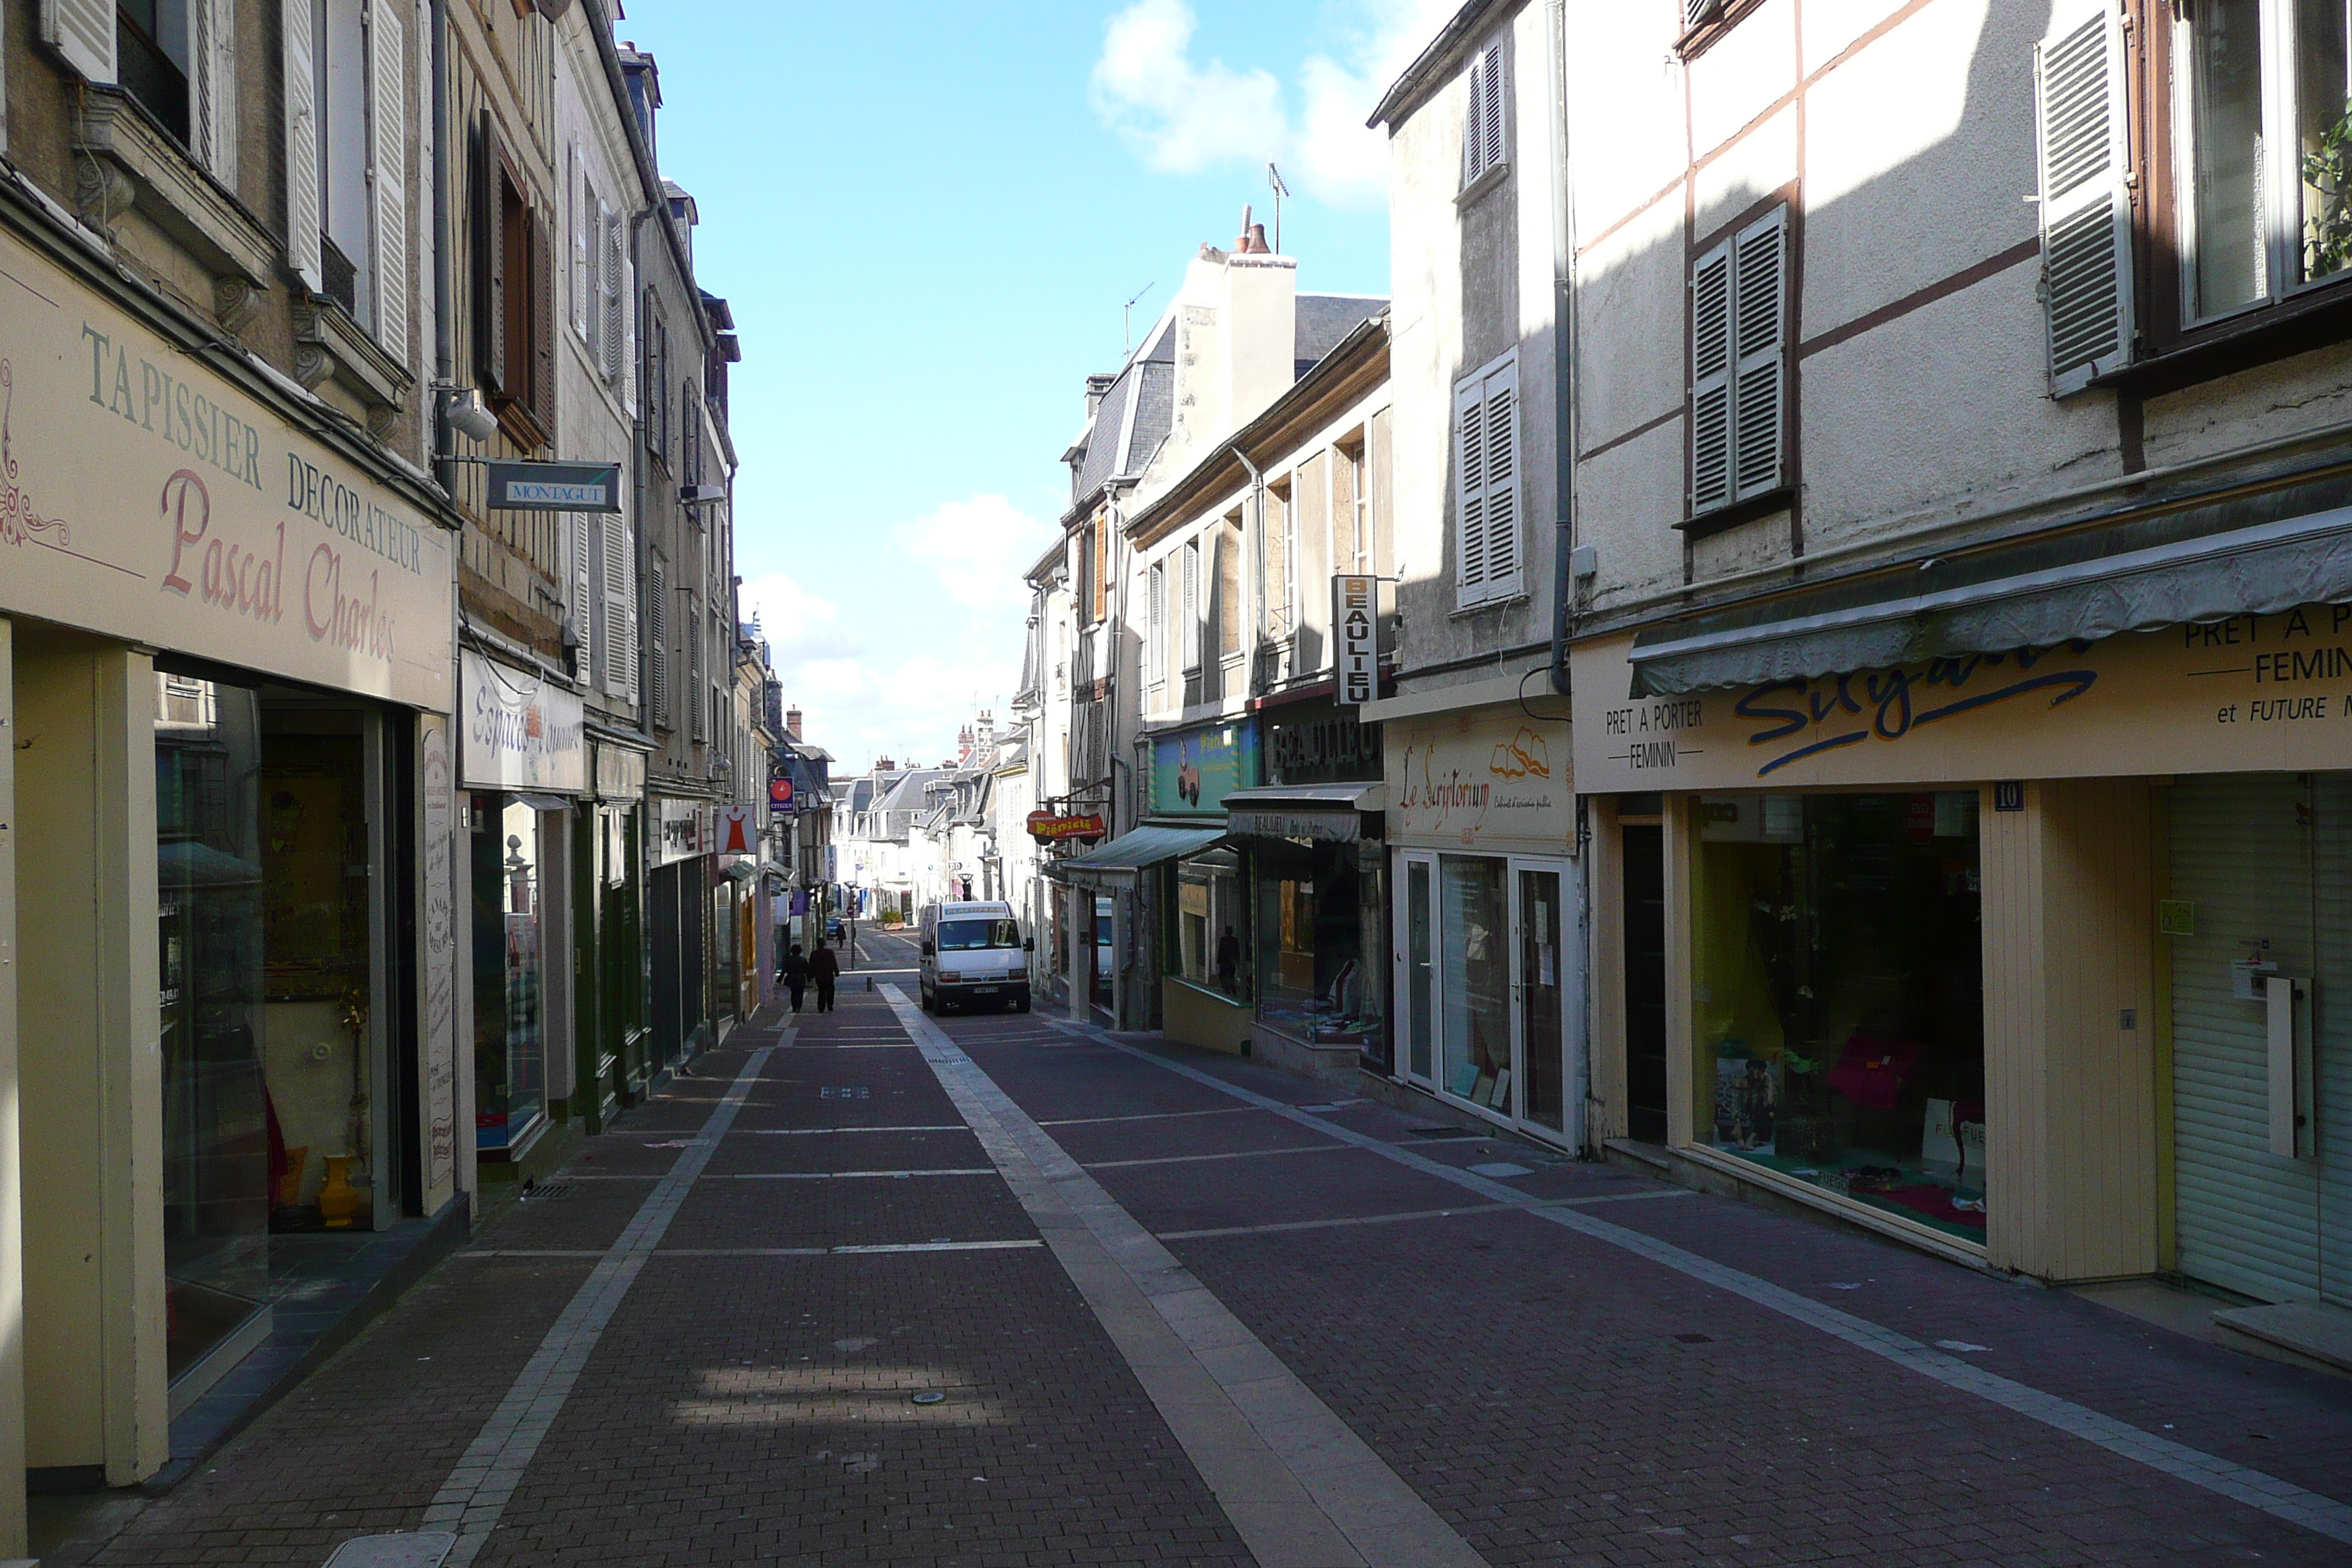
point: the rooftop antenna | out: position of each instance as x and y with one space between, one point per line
1127 317
1274 178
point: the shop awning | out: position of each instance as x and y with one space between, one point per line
2140 575
1132 851
1334 812
544 801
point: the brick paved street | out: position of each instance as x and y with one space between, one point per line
1550 1394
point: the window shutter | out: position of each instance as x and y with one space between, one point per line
1188 627
586 309
1469 492
1156 647
1697 11
1473 140
301 148
657 647
584 594
695 697
212 86
388 172
1491 115
2080 115
1500 394
83 32
489 260
1711 380
625 373
620 643
615 289
543 323
1759 319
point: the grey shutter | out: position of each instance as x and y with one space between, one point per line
1474 138
388 172
2247 1218
1500 393
490 279
696 635
83 32
1711 380
2080 116
620 607
539 226
1759 289
302 146
625 373
657 648
212 86
612 249
580 220
584 594
1469 492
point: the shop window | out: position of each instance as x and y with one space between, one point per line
1474 1023
1838 998
1316 977
1212 951
509 1048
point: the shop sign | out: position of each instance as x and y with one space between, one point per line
1192 771
620 774
554 487
437 902
522 731
1331 748
1047 827
1489 777
1355 639
1330 826
144 496
739 830
682 829
780 795
2253 693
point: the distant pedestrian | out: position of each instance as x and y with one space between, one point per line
825 969
1229 960
794 972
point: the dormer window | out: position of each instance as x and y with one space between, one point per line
1485 117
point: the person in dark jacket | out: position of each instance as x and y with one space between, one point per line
794 972
825 969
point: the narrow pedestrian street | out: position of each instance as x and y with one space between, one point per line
1003 1289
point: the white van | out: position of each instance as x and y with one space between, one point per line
973 952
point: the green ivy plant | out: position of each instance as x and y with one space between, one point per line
2328 172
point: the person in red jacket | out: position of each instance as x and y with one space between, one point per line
825 969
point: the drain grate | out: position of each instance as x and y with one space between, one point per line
548 1192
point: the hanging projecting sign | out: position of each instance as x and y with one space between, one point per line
1355 639
521 731
555 487
780 795
1048 826
738 834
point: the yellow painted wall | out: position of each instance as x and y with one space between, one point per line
1203 1018
2071 1112
87 1042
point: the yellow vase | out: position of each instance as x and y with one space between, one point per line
338 1199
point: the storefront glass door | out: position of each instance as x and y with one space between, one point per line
1540 990
1417 985
1475 983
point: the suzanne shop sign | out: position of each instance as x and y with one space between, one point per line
144 496
2254 692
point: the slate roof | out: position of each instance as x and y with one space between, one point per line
1112 446
1325 320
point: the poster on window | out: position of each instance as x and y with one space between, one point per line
1192 771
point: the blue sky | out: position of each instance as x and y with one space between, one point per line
927 235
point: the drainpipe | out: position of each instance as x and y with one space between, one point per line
1257 589
445 353
1564 442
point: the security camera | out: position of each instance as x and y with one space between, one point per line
466 416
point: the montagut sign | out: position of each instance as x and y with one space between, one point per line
143 495
554 487
1048 827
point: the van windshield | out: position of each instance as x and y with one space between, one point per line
965 936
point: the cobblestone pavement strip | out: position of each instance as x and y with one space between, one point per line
1682 1382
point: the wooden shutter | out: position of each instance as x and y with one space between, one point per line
1501 427
625 373
2080 117
1711 380
610 252
1490 118
303 215
587 241
1469 492
490 260
212 86
1189 625
1102 566
1759 328
584 592
657 643
542 323
388 172
619 631
696 632
83 32
1155 669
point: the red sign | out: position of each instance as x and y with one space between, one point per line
780 792
1046 827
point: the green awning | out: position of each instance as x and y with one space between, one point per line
1132 851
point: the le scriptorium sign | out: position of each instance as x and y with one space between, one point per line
2248 693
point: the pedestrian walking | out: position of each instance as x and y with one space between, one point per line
825 969
794 972
1229 960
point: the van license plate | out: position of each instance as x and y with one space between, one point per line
983 990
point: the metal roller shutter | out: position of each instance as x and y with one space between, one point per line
2248 1220
2331 1037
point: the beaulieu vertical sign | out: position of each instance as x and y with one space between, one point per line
144 496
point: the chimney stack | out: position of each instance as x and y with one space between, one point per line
885 765
792 722
1252 241
1097 388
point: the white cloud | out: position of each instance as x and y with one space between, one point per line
1184 117
895 662
1181 116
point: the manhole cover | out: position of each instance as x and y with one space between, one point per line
416 1549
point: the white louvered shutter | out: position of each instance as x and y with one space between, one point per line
1500 425
2080 114
584 594
1155 667
613 252
1490 117
83 32
1711 380
1188 627
388 170
1759 310
301 148
212 86
584 245
626 377
1469 492
620 643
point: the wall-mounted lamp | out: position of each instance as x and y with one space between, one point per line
465 414
701 495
